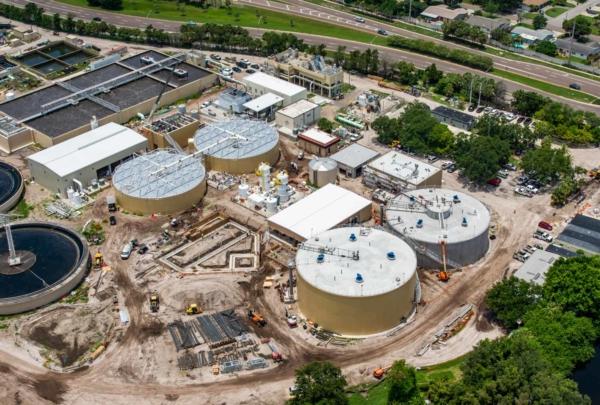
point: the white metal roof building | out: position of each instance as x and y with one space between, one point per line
260 83
535 268
396 171
318 142
324 209
353 158
85 158
264 106
294 117
356 281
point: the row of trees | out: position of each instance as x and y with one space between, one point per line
366 62
461 30
443 52
390 8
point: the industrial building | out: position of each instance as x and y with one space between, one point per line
356 281
310 71
436 219
582 233
264 107
233 100
114 93
259 83
353 158
55 57
13 135
178 129
535 268
318 142
455 118
322 171
11 186
293 118
83 160
237 146
323 209
395 171
162 181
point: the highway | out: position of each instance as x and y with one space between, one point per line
522 68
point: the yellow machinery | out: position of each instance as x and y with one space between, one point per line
192 309
154 302
98 260
443 275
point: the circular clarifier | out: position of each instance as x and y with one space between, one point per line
53 260
11 186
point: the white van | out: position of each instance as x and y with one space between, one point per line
126 252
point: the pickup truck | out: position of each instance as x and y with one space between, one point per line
541 235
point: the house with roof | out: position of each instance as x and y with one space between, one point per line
534 5
565 46
529 36
441 13
488 24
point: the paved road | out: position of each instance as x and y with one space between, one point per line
556 22
389 53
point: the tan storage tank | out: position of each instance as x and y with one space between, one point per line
162 181
322 171
356 281
237 146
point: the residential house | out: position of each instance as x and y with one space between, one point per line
577 49
441 13
488 24
529 36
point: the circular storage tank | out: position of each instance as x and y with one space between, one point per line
237 146
162 181
429 216
11 186
363 282
322 171
54 260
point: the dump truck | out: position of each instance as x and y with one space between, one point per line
256 318
111 201
154 301
192 309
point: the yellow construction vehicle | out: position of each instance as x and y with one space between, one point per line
154 302
98 260
192 309
256 318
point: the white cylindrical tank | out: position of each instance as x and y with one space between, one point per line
70 193
271 205
243 190
322 171
265 177
283 192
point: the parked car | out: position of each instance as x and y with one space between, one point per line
432 158
575 86
126 251
236 69
452 168
518 257
510 166
472 107
541 235
205 104
255 66
446 165
545 225
503 173
250 71
112 219
494 182
520 120
215 56
479 110
143 249
523 191
532 188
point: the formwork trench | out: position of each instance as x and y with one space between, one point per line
222 245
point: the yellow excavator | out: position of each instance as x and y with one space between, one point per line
98 260
192 309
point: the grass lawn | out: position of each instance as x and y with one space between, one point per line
547 87
531 16
555 11
378 392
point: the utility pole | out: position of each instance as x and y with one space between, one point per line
471 90
410 10
479 100
571 42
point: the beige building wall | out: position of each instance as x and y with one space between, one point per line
433 181
356 316
17 141
242 166
317 149
168 205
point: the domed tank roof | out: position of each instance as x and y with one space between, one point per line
322 164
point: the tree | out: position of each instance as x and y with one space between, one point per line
510 299
319 383
517 136
574 284
402 380
528 102
339 55
547 164
431 75
546 47
583 27
406 73
539 21
566 339
499 5
325 125
480 157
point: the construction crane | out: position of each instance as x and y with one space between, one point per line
443 274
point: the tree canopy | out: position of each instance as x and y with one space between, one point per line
528 102
583 27
480 157
539 21
402 380
547 164
510 299
319 383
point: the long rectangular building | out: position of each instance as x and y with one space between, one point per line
79 161
322 210
114 93
259 83
395 171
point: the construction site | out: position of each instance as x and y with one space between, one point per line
212 254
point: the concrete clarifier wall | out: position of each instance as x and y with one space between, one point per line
167 205
242 166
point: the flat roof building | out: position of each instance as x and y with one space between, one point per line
535 268
114 93
530 36
577 49
170 131
264 106
91 156
291 119
318 142
582 233
353 158
13 135
488 24
455 118
259 83
441 12
322 210
395 172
